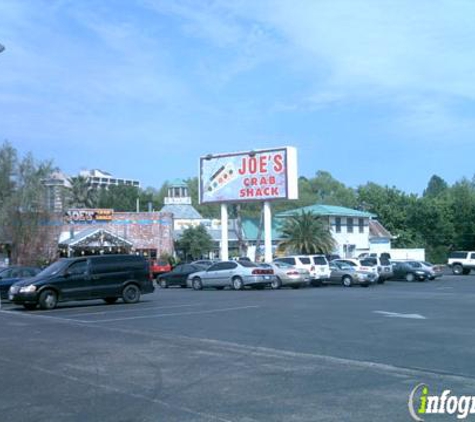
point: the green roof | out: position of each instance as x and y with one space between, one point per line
177 183
250 227
327 210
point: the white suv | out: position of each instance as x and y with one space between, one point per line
317 265
461 262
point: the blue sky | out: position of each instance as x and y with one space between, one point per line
380 91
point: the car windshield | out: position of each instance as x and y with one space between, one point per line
369 262
53 268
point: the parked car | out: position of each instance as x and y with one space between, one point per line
321 269
317 265
107 277
403 270
357 265
383 266
179 274
11 275
434 270
159 266
288 275
461 262
347 275
235 274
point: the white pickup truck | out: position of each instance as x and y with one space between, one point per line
461 262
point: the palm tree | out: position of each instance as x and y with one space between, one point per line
82 194
306 233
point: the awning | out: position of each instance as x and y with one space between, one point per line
96 237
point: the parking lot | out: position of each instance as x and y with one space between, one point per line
314 354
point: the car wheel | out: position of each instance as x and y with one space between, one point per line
237 283
457 269
110 300
197 284
163 283
410 277
48 299
381 280
131 294
29 306
276 283
347 281
466 271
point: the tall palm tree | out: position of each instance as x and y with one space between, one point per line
306 233
82 194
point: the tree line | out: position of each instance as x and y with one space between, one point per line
439 220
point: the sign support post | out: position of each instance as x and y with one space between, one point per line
267 232
224 255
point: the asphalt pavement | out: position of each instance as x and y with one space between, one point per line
314 354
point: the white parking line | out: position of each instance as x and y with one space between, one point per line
210 311
112 311
397 315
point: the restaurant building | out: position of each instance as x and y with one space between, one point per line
102 231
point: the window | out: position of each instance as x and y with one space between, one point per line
290 261
461 255
305 260
338 224
349 225
319 260
361 225
221 266
78 268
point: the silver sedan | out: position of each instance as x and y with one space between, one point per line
348 276
288 275
235 274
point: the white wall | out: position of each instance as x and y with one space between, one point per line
354 242
417 254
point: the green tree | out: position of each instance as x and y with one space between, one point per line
82 193
23 211
306 233
436 187
462 204
121 198
330 191
195 242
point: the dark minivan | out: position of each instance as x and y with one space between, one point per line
107 277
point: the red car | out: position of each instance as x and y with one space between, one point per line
159 266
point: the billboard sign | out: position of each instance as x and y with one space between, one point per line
88 216
260 175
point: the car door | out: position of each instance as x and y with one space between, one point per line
398 271
226 273
107 275
336 273
176 275
209 277
75 282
